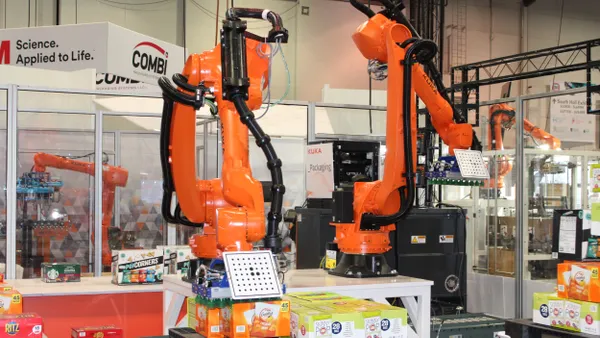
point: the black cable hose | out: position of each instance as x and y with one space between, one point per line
362 8
417 47
388 4
182 82
173 94
436 77
168 184
254 13
263 141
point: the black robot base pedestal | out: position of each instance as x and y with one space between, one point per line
363 266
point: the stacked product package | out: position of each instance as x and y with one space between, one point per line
239 319
575 304
324 314
13 322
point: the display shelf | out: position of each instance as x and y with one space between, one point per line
414 292
87 286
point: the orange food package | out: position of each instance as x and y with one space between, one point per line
563 278
11 302
584 282
208 320
259 319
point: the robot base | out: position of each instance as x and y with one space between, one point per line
363 266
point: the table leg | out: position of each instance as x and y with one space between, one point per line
424 313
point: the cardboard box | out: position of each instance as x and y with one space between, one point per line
314 297
11 302
563 279
259 319
208 320
137 267
393 320
348 322
309 323
108 331
180 261
61 272
27 325
191 313
574 315
584 282
167 250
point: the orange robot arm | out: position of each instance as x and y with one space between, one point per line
379 205
502 117
112 177
230 209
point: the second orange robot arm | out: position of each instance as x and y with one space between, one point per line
112 177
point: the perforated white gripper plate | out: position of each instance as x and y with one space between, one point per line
471 164
252 274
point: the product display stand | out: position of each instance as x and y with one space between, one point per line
522 328
415 294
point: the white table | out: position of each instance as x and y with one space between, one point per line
415 293
87 286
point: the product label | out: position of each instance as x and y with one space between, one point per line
418 239
572 315
330 259
323 328
444 239
567 235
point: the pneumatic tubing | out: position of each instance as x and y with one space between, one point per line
255 13
362 8
263 141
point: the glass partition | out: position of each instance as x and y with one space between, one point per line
55 192
3 172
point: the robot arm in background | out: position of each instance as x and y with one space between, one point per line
112 177
230 209
379 205
502 117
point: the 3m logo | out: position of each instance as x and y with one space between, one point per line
5 52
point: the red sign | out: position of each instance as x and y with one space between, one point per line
5 52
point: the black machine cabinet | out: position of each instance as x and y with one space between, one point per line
430 244
313 232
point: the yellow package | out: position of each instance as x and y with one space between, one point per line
208 320
563 279
11 302
585 282
260 319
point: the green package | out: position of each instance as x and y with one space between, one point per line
309 323
347 322
61 272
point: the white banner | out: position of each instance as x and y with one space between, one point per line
569 120
319 170
141 57
67 48
102 46
112 82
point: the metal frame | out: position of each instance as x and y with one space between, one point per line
516 67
